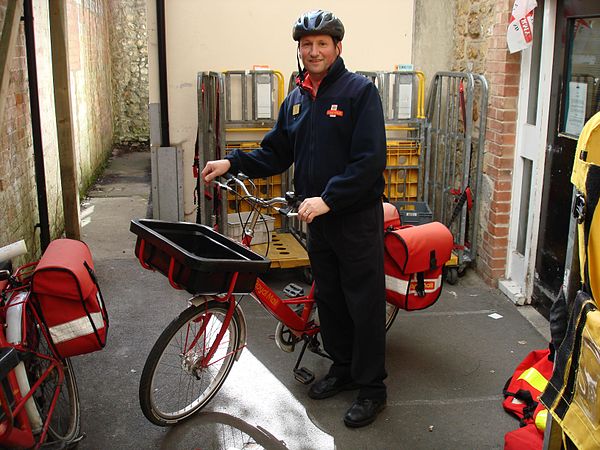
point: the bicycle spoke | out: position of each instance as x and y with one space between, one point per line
182 379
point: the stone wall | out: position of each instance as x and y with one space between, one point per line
473 28
129 57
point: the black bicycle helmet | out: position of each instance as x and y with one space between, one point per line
318 22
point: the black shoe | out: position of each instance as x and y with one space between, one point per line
363 412
329 386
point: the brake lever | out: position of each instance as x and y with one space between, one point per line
223 186
286 211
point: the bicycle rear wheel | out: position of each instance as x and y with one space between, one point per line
65 421
176 381
391 311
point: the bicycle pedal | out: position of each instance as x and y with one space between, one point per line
292 290
303 375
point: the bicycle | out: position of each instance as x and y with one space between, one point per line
193 356
39 399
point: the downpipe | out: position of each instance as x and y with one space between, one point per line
36 127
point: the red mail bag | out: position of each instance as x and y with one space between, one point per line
414 259
68 299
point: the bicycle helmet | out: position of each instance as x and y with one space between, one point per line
318 22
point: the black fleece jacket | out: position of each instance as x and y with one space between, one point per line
336 142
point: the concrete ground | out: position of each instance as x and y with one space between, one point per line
447 365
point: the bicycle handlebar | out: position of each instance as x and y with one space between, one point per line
288 203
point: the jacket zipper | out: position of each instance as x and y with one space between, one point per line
311 146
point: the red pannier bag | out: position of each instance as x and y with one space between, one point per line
525 438
523 389
391 217
414 258
68 299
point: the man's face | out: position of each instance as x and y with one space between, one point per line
318 53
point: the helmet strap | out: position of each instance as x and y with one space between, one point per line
301 71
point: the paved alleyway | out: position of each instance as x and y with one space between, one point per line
447 365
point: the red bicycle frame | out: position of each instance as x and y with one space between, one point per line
278 307
15 428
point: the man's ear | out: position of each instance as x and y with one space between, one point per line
338 47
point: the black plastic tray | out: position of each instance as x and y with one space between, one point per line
414 213
203 260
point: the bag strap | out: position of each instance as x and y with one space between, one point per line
103 306
432 260
420 287
524 396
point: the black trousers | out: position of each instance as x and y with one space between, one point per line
346 256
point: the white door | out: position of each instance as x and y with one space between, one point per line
532 123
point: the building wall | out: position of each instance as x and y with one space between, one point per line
110 74
17 181
90 80
129 59
90 75
239 34
433 43
480 45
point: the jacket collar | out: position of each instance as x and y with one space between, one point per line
336 70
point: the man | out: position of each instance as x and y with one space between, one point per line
332 128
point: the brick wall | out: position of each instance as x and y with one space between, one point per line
18 204
503 73
92 113
481 46
91 102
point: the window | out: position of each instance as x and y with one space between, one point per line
582 78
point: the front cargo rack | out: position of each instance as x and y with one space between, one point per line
196 258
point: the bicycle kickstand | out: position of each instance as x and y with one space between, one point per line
302 374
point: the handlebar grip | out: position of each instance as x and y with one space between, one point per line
13 250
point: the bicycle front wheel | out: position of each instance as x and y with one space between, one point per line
177 381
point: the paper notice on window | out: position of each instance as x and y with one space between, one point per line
576 108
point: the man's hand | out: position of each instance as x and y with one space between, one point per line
311 208
214 169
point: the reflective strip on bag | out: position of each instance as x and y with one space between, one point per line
397 285
400 286
534 378
540 420
76 328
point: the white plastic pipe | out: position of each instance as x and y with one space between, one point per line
14 315
13 250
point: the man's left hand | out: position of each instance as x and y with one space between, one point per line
312 207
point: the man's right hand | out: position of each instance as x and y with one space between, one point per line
214 169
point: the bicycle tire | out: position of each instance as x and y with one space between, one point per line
65 423
186 388
391 311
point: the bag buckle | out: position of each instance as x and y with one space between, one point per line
579 208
